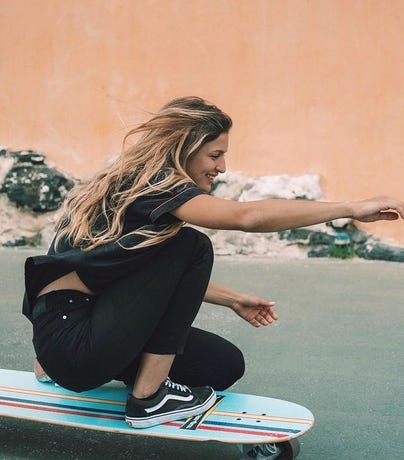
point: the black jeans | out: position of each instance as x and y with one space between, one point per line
85 341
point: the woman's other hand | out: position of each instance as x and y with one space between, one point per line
256 311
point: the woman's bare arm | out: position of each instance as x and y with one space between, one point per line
278 214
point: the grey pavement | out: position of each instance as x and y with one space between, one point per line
337 349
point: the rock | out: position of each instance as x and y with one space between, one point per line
21 227
235 186
376 250
225 243
29 156
231 185
323 251
31 192
300 235
31 184
321 238
340 224
307 236
6 163
341 247
305 187
358 236
255 244
33 241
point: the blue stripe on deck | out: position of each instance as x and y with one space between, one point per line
251 427
63 406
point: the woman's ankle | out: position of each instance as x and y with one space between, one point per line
146 391
40 374
38 369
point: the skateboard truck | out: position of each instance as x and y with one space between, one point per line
286 450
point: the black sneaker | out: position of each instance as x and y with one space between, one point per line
172 402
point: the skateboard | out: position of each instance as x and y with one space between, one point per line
257 424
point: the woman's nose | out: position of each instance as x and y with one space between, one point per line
221 165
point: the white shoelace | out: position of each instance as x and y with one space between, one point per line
177 386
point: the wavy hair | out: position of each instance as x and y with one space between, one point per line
164 143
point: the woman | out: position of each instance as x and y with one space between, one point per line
124 279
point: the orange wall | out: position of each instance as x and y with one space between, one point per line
313 86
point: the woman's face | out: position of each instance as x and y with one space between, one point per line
204 166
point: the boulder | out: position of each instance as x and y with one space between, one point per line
32 184
375 250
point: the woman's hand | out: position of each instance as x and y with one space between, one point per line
380 208
253 309
256 311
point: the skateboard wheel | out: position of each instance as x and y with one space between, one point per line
286 450
260 451
290 449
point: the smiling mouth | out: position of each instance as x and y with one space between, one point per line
211 177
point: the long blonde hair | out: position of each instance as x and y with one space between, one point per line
164 144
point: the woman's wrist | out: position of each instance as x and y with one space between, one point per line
348 209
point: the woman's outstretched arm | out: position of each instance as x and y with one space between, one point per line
278 214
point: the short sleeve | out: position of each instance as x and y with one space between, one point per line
156 208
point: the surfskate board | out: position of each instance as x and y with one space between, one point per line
242 419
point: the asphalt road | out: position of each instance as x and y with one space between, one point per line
337 349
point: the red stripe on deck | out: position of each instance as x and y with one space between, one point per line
59 411
231 430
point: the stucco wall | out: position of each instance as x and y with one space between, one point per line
313 86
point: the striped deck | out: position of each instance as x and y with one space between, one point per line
235 418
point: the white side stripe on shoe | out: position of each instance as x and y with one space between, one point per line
167 398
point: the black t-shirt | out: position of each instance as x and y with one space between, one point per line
100 266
